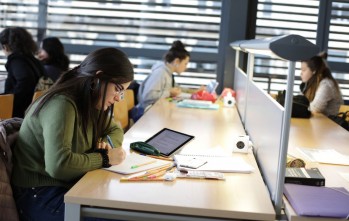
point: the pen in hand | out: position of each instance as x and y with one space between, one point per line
110 141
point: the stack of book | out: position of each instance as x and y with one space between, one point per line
303 176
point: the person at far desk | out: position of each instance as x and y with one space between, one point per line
319 86
23 69
160 82
52 56
65 134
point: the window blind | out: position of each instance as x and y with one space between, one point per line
279 17
144 29
275 18
338 44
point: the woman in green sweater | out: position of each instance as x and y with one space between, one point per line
64 134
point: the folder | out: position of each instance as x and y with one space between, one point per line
318 201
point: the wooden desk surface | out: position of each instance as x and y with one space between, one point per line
240 196
319 132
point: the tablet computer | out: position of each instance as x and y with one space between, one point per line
168 141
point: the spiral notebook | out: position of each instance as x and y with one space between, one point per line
135 163
224 164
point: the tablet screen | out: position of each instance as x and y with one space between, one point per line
167 141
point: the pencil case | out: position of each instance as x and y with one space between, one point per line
145 148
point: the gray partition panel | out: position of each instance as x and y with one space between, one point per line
264 118
240 87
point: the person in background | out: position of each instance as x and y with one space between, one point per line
64 134
319 86
23 69
160 82
51 54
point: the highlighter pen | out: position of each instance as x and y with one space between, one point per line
142 164
110 142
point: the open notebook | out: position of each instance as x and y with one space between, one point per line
328 156
137 163
234 164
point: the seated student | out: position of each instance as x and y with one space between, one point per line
23 69
63 135
319 86
55 61
160 83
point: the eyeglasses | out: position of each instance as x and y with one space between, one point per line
121 94
120 91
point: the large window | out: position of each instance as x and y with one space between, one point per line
338 43
144 29
324 23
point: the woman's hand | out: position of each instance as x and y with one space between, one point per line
116 155
103 145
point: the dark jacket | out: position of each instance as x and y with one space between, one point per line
53 72
23 75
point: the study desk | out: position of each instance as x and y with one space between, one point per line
319 132
241 196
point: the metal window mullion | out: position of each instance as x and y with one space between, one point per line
42 20
323 28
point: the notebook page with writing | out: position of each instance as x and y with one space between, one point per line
137 163
328 156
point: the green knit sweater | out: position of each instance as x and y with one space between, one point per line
51 149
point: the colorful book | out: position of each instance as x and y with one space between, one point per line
188 103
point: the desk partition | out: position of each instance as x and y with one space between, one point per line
240 87
265 121
263 124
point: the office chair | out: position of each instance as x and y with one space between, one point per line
38 94
121 113
344 108
130 98
6 107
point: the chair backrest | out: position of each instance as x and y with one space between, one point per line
37 94
121 113
344 108
6 107
130 98
135 87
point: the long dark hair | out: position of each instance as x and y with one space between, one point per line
318 65
19 40
55 50
177 50
84 87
